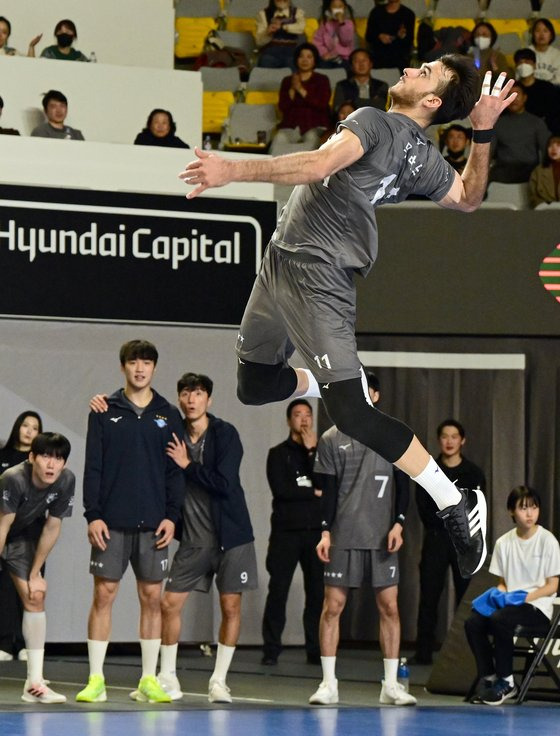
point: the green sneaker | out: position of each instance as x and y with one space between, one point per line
150 691
94 691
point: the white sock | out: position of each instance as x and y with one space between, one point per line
223 660
34 629
96 655
509 680
168 659
313 391
150 653
35 665
437 484
328 664
390 667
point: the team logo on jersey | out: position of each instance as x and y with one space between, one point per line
344 447
115 419
51 497
6 495
161 422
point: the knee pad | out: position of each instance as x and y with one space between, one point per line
258 383
350 409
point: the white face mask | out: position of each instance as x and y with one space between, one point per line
483 42
524 70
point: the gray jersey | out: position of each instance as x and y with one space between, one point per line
335 219
198 525
365 491
19 496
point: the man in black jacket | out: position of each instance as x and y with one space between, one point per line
217 536
361 88
438 552
132 498
295 532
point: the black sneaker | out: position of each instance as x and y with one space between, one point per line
466 524
482 687
500 691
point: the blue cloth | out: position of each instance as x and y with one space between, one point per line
492 599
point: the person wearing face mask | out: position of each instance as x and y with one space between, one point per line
278 27
544 184
486 57
335 37
455 139
543 98
65 33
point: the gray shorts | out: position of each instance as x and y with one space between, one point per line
193 568
18 556
124 546
352 568
308 305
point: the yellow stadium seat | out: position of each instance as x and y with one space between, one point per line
467 23
191 35
215 109
241 24
262 97
311 25
361 26
509 25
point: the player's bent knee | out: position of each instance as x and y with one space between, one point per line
259 384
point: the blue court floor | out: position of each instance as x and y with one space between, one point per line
420 721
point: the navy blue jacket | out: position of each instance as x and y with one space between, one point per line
218 474
129 481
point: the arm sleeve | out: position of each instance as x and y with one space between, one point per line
9 495
298 26
63 506
219 478
321 39
282 477
402 494
174 480
318 92
329 486
93 468
261 35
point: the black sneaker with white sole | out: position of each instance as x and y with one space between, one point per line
466 524
500 691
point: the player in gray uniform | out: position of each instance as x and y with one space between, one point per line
364 508
304 295
34 498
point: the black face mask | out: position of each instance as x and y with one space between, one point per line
64 40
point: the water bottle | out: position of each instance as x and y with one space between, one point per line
93 58
207 143
403 673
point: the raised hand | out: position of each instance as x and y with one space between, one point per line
208 170
493 102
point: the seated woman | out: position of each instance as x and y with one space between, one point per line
548 56
544 184
65 33
5 31
160 131
486 57
279 26
335 38
304 102
527 561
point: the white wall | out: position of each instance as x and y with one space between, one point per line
107 103
129 32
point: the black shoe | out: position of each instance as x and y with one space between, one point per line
466 524
268 660
313 659
500 691
482 686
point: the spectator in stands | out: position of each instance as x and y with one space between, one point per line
278 27
160 131
433 44
548 57
6 131
335 38
390 34
544 184
304 102
520 141
65 33
342 113
455 140
543 98
55 105
486 57
361 88
5 31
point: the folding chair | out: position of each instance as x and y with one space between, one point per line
533 648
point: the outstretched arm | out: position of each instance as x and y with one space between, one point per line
210 170
467 190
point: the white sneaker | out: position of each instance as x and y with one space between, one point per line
327 694
22 655
394 694
171 685
5 656
218 692
40 693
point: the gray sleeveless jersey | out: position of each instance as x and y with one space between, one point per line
335 219
365 485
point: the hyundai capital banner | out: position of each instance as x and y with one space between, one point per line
90 255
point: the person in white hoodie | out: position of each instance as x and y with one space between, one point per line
548 56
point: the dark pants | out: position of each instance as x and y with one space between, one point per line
11 612
497 657
438 554
285 550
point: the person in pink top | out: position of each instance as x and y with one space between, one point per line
335 38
